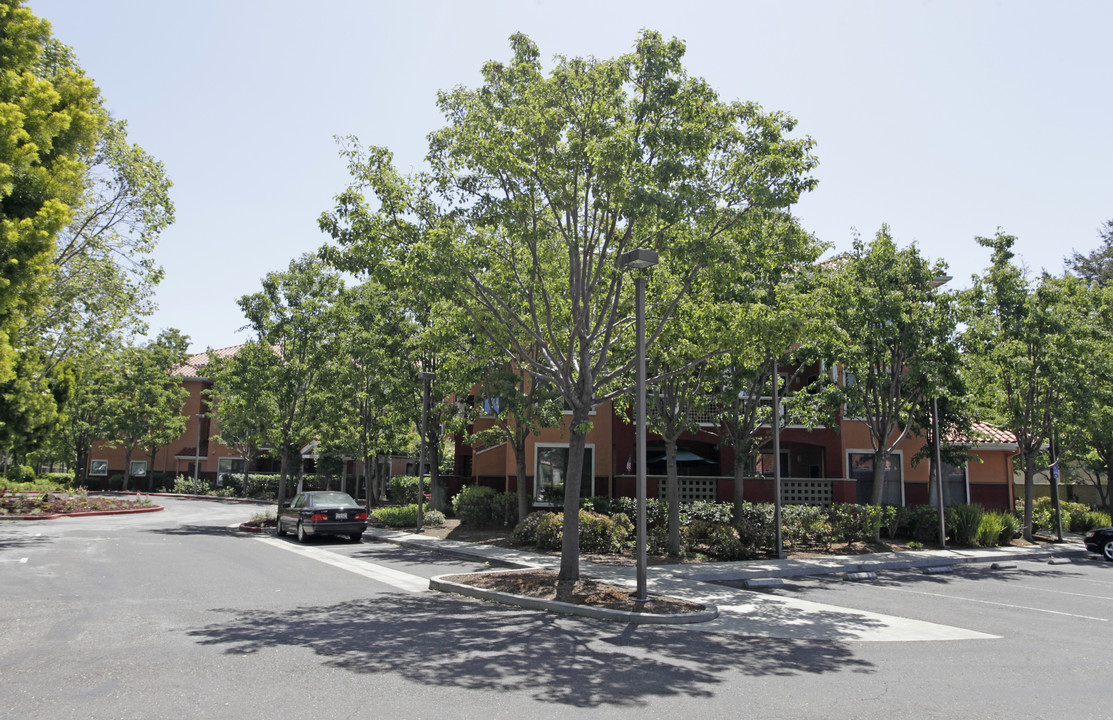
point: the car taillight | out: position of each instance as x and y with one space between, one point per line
318 517
361 516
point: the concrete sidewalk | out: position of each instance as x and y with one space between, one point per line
745 612
741 570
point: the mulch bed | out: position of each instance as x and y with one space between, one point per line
544 584
59 503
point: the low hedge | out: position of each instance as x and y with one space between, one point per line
405 516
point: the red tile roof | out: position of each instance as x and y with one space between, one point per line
982 433
194 365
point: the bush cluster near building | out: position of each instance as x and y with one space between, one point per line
709 530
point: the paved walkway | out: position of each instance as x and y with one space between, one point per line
751 613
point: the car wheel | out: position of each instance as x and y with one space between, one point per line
1107 550
302 537
356 537
278 528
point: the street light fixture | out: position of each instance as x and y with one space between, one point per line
426 378
640 260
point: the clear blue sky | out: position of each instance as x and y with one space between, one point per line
946 120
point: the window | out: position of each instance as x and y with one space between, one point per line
954 486
228 466
98 468
551 468
138 468
860 467
491 406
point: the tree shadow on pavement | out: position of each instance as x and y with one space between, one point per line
457 643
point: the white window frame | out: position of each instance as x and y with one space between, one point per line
966 484
896 455
133 472
221 473
98 468
537 475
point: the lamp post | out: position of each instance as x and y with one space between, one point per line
936 283
197 456
640 260
426 378
939 472
777 502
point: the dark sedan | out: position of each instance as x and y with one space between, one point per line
1101 542
322 513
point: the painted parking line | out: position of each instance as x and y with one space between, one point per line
758 614
381 573
998 604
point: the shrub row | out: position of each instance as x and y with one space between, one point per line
1077 517
480 506
401 516
710 528
598 533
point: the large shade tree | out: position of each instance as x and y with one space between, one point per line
897 343
538 185
1028 348
296 315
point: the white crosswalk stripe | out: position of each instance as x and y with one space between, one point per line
381 573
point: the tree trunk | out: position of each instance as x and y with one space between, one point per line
520 470
1029 492
283 469
127 468
878 491
739 476
151 470
435 491
570 543
673 497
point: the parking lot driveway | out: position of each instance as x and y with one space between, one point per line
1039 600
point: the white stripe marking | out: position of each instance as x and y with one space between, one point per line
1007 605
381 573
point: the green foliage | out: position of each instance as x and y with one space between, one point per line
403 489
997 528
919 522
598 533
1082 522
21 473
52 115
602 533
718 541
654 156
549 531
805 524
964 523
405 516
481 506
755 527
858 523
897 336
990 530
525 533
707 511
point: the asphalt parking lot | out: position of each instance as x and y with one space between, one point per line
1026 597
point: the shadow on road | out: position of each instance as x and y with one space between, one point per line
451 642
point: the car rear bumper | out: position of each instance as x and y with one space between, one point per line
350 527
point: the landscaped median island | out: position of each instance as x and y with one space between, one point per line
540 589
48 505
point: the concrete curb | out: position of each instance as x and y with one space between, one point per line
152 508
439 583
743 570
183 496
840 564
